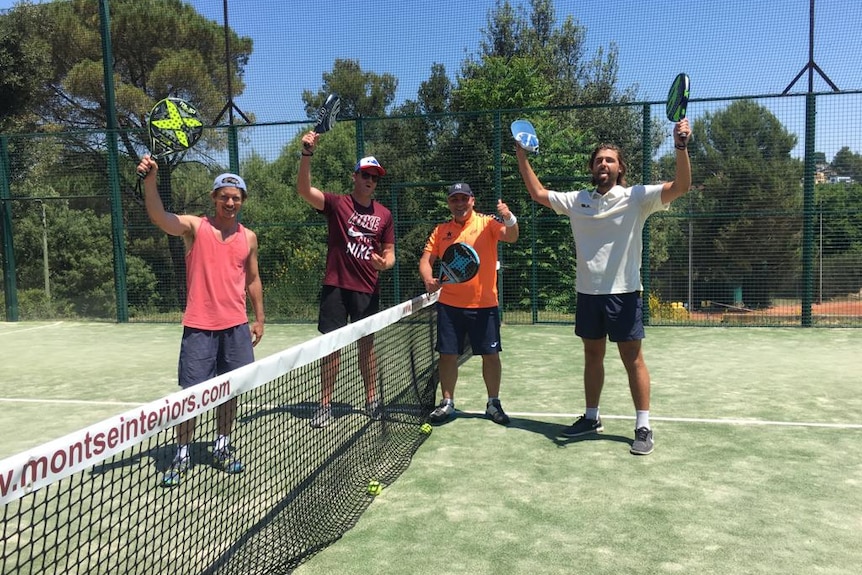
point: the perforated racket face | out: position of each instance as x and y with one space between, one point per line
174 126
460 263
677 98
327 114
525 135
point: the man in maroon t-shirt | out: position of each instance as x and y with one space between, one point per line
360 244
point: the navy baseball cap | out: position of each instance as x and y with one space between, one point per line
460 189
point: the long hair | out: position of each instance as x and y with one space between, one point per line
621 177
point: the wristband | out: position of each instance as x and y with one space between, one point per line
510 221
678 147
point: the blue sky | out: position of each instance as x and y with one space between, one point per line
728 47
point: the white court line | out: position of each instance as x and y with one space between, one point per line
13 331
67 401
686 420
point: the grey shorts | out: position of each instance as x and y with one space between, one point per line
205 354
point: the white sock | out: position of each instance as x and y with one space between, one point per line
449 400
182 451
222 442
642 419
490 399
591 413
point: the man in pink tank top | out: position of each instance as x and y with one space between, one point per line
221 267
361 244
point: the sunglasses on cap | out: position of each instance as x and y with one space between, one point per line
368 175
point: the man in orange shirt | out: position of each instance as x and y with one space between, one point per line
469 308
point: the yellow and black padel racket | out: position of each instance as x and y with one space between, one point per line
174 127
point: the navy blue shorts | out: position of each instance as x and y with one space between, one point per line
205 354
338 306
619 317
481 324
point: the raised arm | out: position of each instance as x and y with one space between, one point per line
511 231
172 224
682 180
534 186
303 179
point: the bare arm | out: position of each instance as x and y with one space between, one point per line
303 179
385 260
682 181
254 287
534 186
426 272
172 224
510 232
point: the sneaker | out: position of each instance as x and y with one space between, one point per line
443 411
643 443
583 426
175 472
225 460
495 411
322 417
374 410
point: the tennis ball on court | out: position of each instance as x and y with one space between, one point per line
426 428
374 488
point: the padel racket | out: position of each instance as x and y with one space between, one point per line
174 127
677 99
460 263
525 135
327 114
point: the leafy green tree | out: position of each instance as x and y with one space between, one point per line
749 210
25 67
847 163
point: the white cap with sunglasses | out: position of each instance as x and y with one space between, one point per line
369 163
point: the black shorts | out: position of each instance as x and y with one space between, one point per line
619 317
339 306
481 324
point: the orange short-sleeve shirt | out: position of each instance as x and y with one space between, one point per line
482 232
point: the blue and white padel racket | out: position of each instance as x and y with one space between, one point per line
525 135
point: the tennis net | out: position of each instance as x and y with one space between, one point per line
93 502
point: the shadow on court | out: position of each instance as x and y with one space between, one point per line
549 430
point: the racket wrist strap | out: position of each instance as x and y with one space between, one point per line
510 221
680 146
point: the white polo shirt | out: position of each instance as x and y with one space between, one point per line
608 234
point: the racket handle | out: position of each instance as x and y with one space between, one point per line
142 174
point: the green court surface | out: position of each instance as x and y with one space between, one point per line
756 468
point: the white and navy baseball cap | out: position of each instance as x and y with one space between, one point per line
370 163
459 188
229 180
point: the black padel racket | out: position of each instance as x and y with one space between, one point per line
460 263
677 99
525 135
327 114
174 127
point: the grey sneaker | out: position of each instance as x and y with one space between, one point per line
322 417
643 443
583 426
443 411
374 410
495 412
226 460
175 472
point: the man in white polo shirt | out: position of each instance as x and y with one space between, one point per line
607 223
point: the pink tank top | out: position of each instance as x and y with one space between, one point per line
215 280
